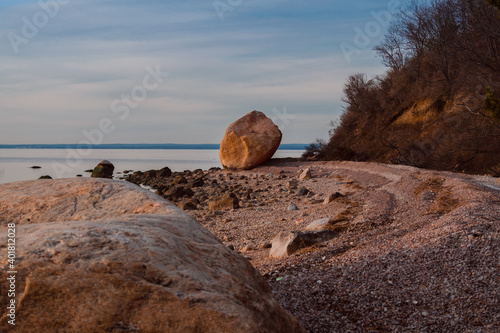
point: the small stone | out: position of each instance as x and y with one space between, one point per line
189 205
198 182
332 197
45 177
179 180
292 207
302 191
306 174
248 248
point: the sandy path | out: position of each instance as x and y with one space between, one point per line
421 252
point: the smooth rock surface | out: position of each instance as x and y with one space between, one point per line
97 255
321 224
249 142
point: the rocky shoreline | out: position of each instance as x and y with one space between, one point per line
414 249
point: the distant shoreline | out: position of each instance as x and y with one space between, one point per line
288 146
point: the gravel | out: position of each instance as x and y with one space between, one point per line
419 250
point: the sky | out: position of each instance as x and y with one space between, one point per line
123 71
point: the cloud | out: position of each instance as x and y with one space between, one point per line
263 55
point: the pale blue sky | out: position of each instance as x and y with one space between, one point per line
65 68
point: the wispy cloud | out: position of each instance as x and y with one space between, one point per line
264 55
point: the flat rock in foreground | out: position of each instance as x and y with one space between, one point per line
97 255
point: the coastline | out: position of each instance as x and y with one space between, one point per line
398 243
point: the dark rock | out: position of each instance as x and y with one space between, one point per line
198 182
188 205
302 191
103 170
165 172
150 174
306 174
175 192
79 175
45 177
179 180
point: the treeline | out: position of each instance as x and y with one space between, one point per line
438 105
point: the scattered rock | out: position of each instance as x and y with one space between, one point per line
302 191
288 242
249 142
198 182
306 174
228 201
179 180
165 172
188 205
332 197
103 170
293 207
175 192
247 248
150 174
318 225
36 167
45 177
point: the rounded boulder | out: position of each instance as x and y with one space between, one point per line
249 141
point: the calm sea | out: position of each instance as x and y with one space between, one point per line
15 164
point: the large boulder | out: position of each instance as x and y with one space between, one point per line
249 142
99 255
